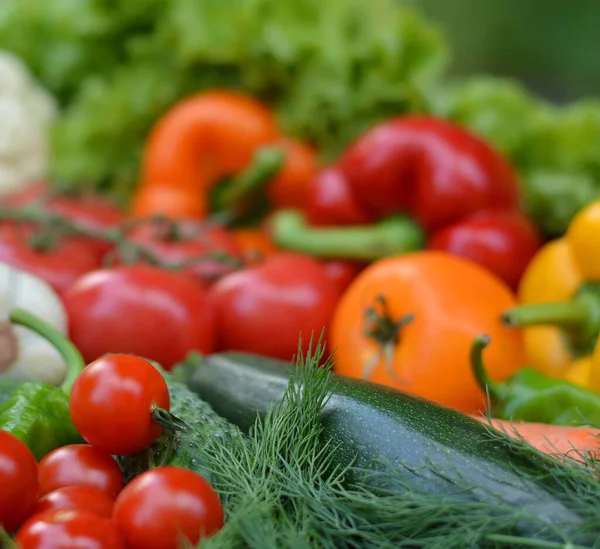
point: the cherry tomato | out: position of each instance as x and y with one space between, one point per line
60 265
341 273
80 465
112 400
19 484
265 308
188 241
140 310
160 505
82 498
68 529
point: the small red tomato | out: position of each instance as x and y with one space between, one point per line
331 202
19 484
68 529
59 265
265 309
79 498
162 504
112 400
142 310
87 210
504 242
341 272
192 242
80 465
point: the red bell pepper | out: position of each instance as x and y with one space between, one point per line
414 182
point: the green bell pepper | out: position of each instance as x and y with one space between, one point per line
530 395
36 412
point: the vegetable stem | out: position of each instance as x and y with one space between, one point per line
479 370
570 314
73 358
363 243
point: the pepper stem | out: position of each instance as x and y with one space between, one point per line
396 235
265 165
569 314
480 372
73 358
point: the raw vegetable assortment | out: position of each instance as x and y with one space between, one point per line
160 384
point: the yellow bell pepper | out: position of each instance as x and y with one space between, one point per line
559 297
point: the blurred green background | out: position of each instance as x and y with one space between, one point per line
551 45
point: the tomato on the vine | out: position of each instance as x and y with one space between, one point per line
59 263
80 465
141 310
194 243
112 400
266 308
79 498
88 210
67 529
19 485
164 503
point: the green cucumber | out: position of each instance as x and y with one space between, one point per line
183 448
431 448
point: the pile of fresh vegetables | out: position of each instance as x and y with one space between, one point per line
161 384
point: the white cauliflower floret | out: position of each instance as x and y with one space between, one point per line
26 115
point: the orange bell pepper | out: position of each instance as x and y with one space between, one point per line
409 322
212 136
560 301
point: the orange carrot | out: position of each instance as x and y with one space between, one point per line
552 439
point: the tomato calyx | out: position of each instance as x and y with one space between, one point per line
168 421
385 330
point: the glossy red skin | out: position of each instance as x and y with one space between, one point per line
87 210
80 465
264 309
341 272
197 239
112 400
60 266
19 484
504 242
429 168
80 498
331 202
141 310
161 504
66 529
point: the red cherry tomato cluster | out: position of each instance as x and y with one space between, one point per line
75 496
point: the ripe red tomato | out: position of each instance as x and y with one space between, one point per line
504 242
111 403
141 310
88 210
160 505
19 484
80 465
187 241
67 529
79 498
60 265
341 273
265 308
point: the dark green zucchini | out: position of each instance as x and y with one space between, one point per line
433 448
183 448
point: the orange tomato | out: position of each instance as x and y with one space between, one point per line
452 300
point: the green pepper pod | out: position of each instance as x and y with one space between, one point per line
36 412
530 395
